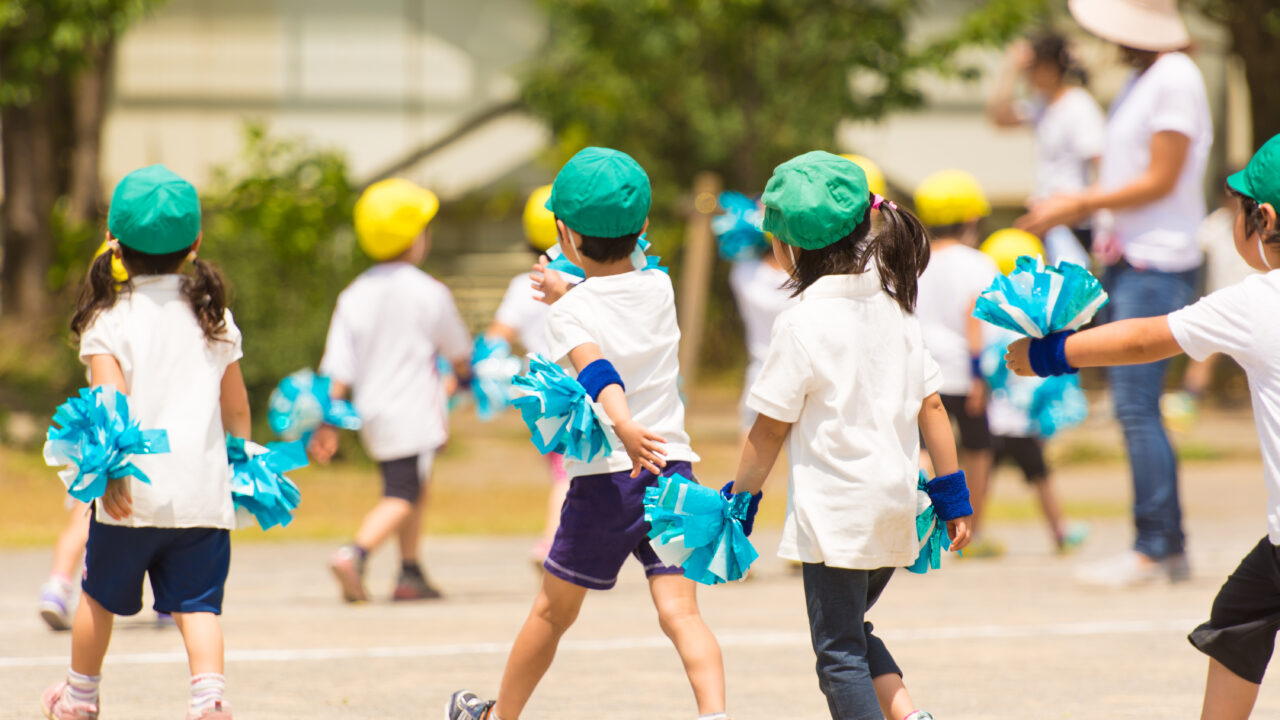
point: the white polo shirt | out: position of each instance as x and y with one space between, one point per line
174 379
1238 321
523 310
848 368
955 277
632 318
388 327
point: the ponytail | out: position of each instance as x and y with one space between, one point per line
207 294
97 293
902 252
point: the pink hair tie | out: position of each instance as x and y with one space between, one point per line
878 200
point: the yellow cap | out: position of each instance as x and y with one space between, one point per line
118 273
390 215
539 222
875 178
1007 245
950 197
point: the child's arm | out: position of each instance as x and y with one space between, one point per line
235 403
643 447
935 427
764 442
117 500
1126 342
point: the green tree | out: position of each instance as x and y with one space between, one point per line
1254 26
55 59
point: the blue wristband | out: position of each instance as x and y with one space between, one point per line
950 496
753 507
975 366
1048 355
599 375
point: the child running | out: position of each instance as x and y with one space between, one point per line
167 341
849 386
617 329
1240 634
387 329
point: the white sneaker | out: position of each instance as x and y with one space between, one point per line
55 604
1132 569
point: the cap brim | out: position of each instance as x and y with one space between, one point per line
1131 25
1240 183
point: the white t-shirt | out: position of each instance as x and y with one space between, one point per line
632 318
1169 96
1069 133
388 327
174 379
955 277
1238 321
757 288
848 368
522 310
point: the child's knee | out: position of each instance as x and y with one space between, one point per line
677 614
560 616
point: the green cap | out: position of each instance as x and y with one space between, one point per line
815 199
601 193
154 211
1260 179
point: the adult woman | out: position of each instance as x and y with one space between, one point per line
1151 179
1069 129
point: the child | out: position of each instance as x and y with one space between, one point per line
523 316
168 341
850 387
618 330
951 203
387 328
1237 321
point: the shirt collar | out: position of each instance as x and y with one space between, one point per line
158 284
844 286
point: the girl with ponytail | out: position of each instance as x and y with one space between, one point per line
848 385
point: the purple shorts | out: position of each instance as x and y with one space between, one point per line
602 523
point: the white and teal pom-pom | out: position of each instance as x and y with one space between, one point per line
96 440
258 484
559 414
1036 300
493 367
739 228
1050 404
696 528
302 402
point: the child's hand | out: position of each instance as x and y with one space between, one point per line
117 500
324 444
1016 358
643 447
959 531
550 283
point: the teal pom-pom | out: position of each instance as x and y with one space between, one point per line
697 529
258 484
96 440
1035 300
302 402
558 412
931 531
493 367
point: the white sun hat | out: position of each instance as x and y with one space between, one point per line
1153 25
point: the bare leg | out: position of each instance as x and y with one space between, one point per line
387 517
410 532
554 610
1051 507
895 702
676 599
977 471
1227 696
90 636
70 546
202 635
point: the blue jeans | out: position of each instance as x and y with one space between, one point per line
1157 515
849 654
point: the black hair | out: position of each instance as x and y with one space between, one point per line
900 250
1052 49
604 250
954 230
1253 217
204 289
1141 59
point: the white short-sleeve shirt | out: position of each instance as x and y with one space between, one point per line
848 368
1239 321
955 277
757 288
1169 96
388 327
632 318
1069 133
174 379
522 309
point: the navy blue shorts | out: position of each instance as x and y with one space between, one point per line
602 522
188 567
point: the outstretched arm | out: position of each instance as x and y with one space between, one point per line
1127 342
643 447
764 442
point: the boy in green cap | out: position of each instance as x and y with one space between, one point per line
1238 321
617 329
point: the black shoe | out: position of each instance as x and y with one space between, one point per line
413 585
466 705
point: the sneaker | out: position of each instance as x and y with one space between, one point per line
983 547
1076 534
466 705
219 711
919 715
1126 570
348 567
55 605
413 585
56 706
1176 568
1179 410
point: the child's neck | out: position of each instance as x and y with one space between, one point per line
591 268
946 242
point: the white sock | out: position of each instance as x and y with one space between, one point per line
82 689
61 583
206 691
714 716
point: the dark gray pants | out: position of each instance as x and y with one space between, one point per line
849 654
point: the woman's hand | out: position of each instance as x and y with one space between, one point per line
117 501
1052 212
960 531
643 447
550 283
1016 358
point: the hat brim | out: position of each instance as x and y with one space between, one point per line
1130 25
1240 183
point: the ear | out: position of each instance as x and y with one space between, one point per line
195 246
1269 225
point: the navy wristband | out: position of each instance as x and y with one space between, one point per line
1048 355
975 366
599 375
950 496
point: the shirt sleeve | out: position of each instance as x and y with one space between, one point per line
566 330
452 337
231 345
339 361
1218 323
780 389
1176 107
932 374
98 338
